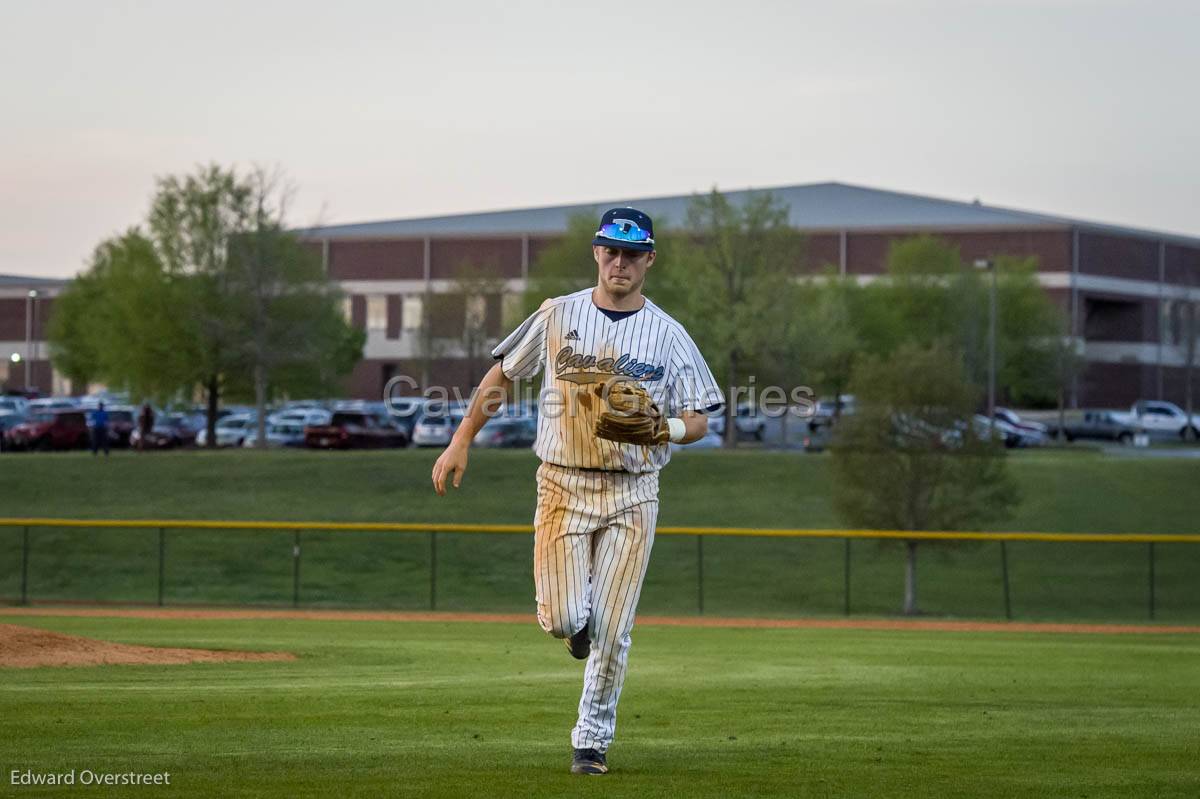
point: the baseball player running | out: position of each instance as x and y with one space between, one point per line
614 360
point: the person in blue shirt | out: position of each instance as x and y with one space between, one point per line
100 430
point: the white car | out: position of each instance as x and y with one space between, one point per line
300 416
231 431
1164 419
1036 428
436 430
17 405
279 434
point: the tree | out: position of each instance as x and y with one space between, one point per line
930 295
216 293
831 340
910 459
120 322
1066 363
480 286
564 266
295 337
733 273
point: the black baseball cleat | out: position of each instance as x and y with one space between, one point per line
579 645
588 761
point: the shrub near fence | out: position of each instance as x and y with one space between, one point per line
718 571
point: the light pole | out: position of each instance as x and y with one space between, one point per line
990 265
29 306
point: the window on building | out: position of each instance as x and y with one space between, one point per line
476 313
347 309
376 312
410 312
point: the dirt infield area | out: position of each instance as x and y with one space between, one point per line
27 647
521 618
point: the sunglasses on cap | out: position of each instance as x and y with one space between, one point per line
625 230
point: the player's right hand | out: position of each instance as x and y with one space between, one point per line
453 461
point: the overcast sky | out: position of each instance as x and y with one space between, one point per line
385 110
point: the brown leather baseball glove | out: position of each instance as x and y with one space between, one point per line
631 416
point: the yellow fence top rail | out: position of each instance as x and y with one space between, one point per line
751 532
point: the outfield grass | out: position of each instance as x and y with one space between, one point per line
1069 492
439 709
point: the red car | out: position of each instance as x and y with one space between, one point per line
355 430
46 430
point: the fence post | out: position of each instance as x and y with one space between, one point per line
846 579
296 570
1004 577
162 557
700 573
1150 556
432 570
25 566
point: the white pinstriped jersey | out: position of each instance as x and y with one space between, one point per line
580 347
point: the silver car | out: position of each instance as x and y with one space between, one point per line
436 430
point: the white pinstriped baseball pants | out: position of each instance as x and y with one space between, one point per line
593 534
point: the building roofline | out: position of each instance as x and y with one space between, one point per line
1017 219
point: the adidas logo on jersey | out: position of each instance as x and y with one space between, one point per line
572 336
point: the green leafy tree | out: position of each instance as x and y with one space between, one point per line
565 266
732 274
910 458
481 286
829 339
119 322
215 293
930 295
293 335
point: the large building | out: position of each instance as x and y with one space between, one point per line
25 304
1122 288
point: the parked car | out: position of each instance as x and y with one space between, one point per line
828 407
405 412
121 424
818 434
13 405
355 430
169 431
1009 434
503 431
300 416
1165 419
1103 426
50 429
51 404
279 434
748 421
435 430
231 431
1011 417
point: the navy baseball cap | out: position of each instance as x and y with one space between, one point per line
625 229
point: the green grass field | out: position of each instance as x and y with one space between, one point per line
443 709
1061 491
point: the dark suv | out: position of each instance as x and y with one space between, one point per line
355 430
